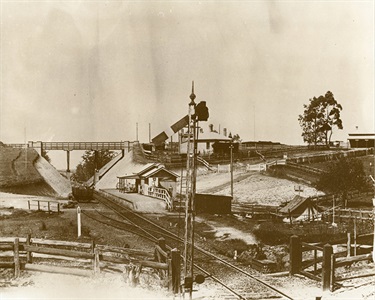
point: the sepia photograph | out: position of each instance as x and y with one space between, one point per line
187 149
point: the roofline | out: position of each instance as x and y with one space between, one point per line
362 134
159 169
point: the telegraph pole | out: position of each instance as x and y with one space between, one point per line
197 112
189 202
136 132
231 169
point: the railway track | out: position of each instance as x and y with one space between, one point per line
234 282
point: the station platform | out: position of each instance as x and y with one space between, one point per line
140 203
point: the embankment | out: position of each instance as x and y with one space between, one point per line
23 171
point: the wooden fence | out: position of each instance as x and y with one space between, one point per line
255 210
338 215
321 157
323 263
45 205
25 253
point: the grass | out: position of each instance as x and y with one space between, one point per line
272 233
17 167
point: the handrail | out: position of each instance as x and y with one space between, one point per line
204 162
162 194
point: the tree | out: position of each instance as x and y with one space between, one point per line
344 175
45 155
318 119
236 138
91 161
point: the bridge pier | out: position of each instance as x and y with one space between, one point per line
68 164
96 174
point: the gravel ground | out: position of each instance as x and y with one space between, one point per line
249 187
253 187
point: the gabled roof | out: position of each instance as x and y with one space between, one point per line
155 171
294 204
148 167
148 171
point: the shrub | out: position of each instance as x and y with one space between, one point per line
227 247
43 226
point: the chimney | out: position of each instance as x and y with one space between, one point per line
225 131
211 127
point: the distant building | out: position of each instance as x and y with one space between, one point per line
249 145
361 140
152 176
205 140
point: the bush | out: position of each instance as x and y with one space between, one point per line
227 247
277 233
272 233
43 226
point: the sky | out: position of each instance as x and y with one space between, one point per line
92 70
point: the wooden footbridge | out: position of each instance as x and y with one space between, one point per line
124 146
70 146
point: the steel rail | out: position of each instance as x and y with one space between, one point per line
118 227
200 250
153 238
171 235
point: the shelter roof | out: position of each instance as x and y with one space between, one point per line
155 171
148 167
132 176
361 136
295 203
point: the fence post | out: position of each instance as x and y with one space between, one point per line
326 267
176 270
28 204
348 245
169 274
29 255
92 251
96 261
16 250
315 259
332 275
38 205
161 243
295 255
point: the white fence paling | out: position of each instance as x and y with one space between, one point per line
263 166
160 194
223 168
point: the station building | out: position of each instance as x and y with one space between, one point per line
361 140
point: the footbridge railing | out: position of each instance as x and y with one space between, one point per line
69 146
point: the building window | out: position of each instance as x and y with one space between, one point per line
208 145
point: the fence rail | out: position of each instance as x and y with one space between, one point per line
162 194
21 254
324 262
254 210
47 205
